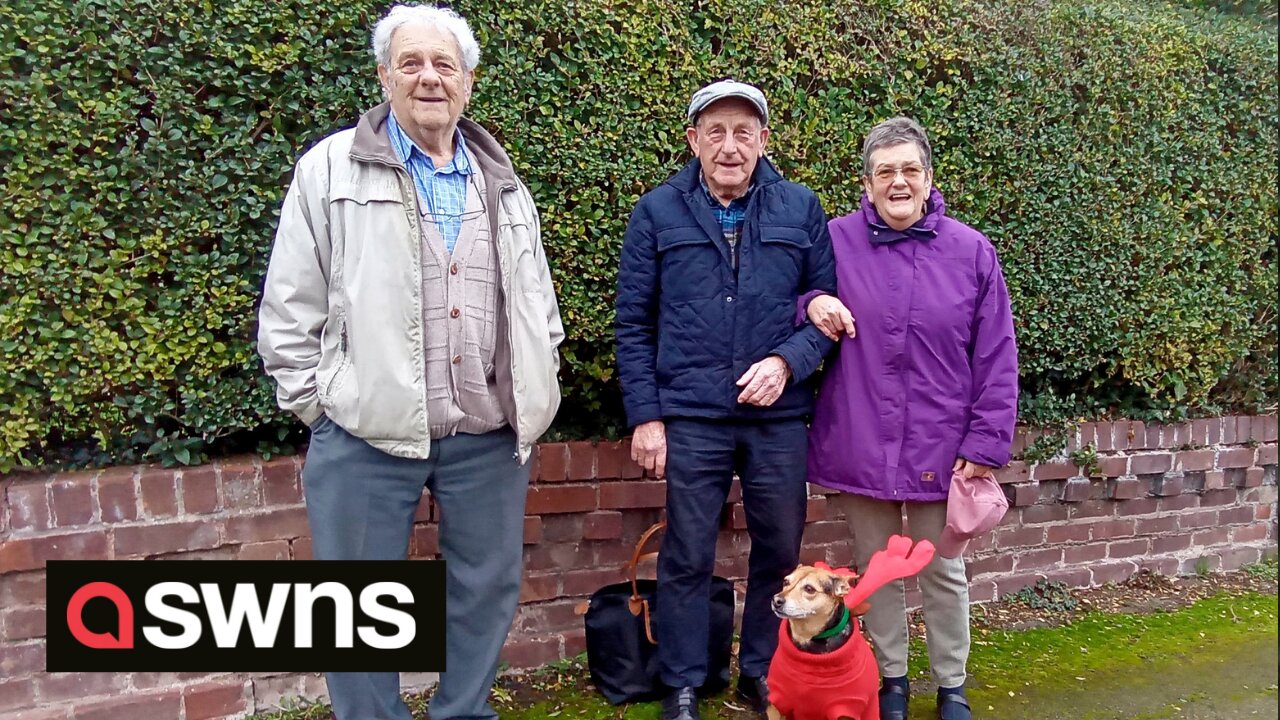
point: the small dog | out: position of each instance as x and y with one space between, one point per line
823 668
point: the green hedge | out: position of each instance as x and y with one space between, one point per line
1122 157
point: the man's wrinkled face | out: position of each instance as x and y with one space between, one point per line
729 139
425 82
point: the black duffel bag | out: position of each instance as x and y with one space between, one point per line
622 653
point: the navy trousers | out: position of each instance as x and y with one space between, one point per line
702 457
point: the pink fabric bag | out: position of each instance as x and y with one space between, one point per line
974 507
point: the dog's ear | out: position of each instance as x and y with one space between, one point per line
838 585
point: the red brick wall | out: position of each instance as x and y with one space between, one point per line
1174 498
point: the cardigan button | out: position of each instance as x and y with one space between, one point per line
453 269
457 359
455 313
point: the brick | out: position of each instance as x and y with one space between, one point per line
1167 485
1170 543
1181 435
585 582
1188 460
240 489
1054 471
1229 431
280 482
424 512
1208 538
72 500
1214 479
1128 548
532 530
998 564
148 540
631 470
1124 488
1113 466
1043 514
1108 529
22 589
1200 432
1214 432
1102 433
28 502
602 525
160 705
24 623
1262 512
1266 455
1079 554
1167 566
1244 428
158 489
1269 427
582 461
1071 532
1093 509
17 693
1113 572
575 642
1235 558
199 490
1022 494
1137 506
60 687
216 700
633 494
1215 498
815 509
1012 537
538 587
1250 533
1204 563
32 553
1252 477
271 550
1134 437
553 462
531 652
117 498
1038 559
279 524
1239 457
1076 489
1149 464
1010 584
610 458
1015 472
425 541
300 549
1159 525
1198 519
1193 482
549 499
22 659
562 527
1185 501
1235 515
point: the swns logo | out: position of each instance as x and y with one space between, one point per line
242 615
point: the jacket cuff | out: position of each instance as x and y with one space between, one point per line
802 306
309 414
642 414
984 452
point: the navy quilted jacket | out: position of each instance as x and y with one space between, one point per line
687 328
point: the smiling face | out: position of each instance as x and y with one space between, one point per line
729 139
898 184
425 82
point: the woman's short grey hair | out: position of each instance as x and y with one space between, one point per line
896 131
443 19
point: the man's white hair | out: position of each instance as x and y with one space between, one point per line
442 19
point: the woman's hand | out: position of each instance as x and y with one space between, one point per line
829 315
970 470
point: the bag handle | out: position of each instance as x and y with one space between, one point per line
637 604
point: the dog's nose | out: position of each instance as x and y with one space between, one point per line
778 602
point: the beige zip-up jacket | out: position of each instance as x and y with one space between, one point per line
340 326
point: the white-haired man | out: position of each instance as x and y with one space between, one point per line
409 319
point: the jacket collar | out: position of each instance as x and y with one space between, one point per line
372 144
923 229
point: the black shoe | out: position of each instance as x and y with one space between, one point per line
754 691
681 704
893 701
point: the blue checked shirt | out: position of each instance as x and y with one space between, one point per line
731 218
443 192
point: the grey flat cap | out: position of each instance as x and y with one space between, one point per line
728 89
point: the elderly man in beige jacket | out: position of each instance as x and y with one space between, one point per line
409 320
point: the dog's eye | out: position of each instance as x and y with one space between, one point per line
810 589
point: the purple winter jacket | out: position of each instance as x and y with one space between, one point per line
932 374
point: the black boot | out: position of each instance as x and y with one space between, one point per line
754 691
681 704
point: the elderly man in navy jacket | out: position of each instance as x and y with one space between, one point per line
716 376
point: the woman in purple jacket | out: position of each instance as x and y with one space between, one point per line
928 387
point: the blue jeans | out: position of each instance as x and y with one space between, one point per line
360 505
702 457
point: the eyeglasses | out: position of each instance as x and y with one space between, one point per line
887 174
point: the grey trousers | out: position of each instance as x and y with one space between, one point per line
360 505
944 588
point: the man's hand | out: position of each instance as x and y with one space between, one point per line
971 469
649 447
764 382
829 315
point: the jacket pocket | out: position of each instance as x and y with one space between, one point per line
329 381
781 262
690 263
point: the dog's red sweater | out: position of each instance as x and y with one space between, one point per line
839 684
